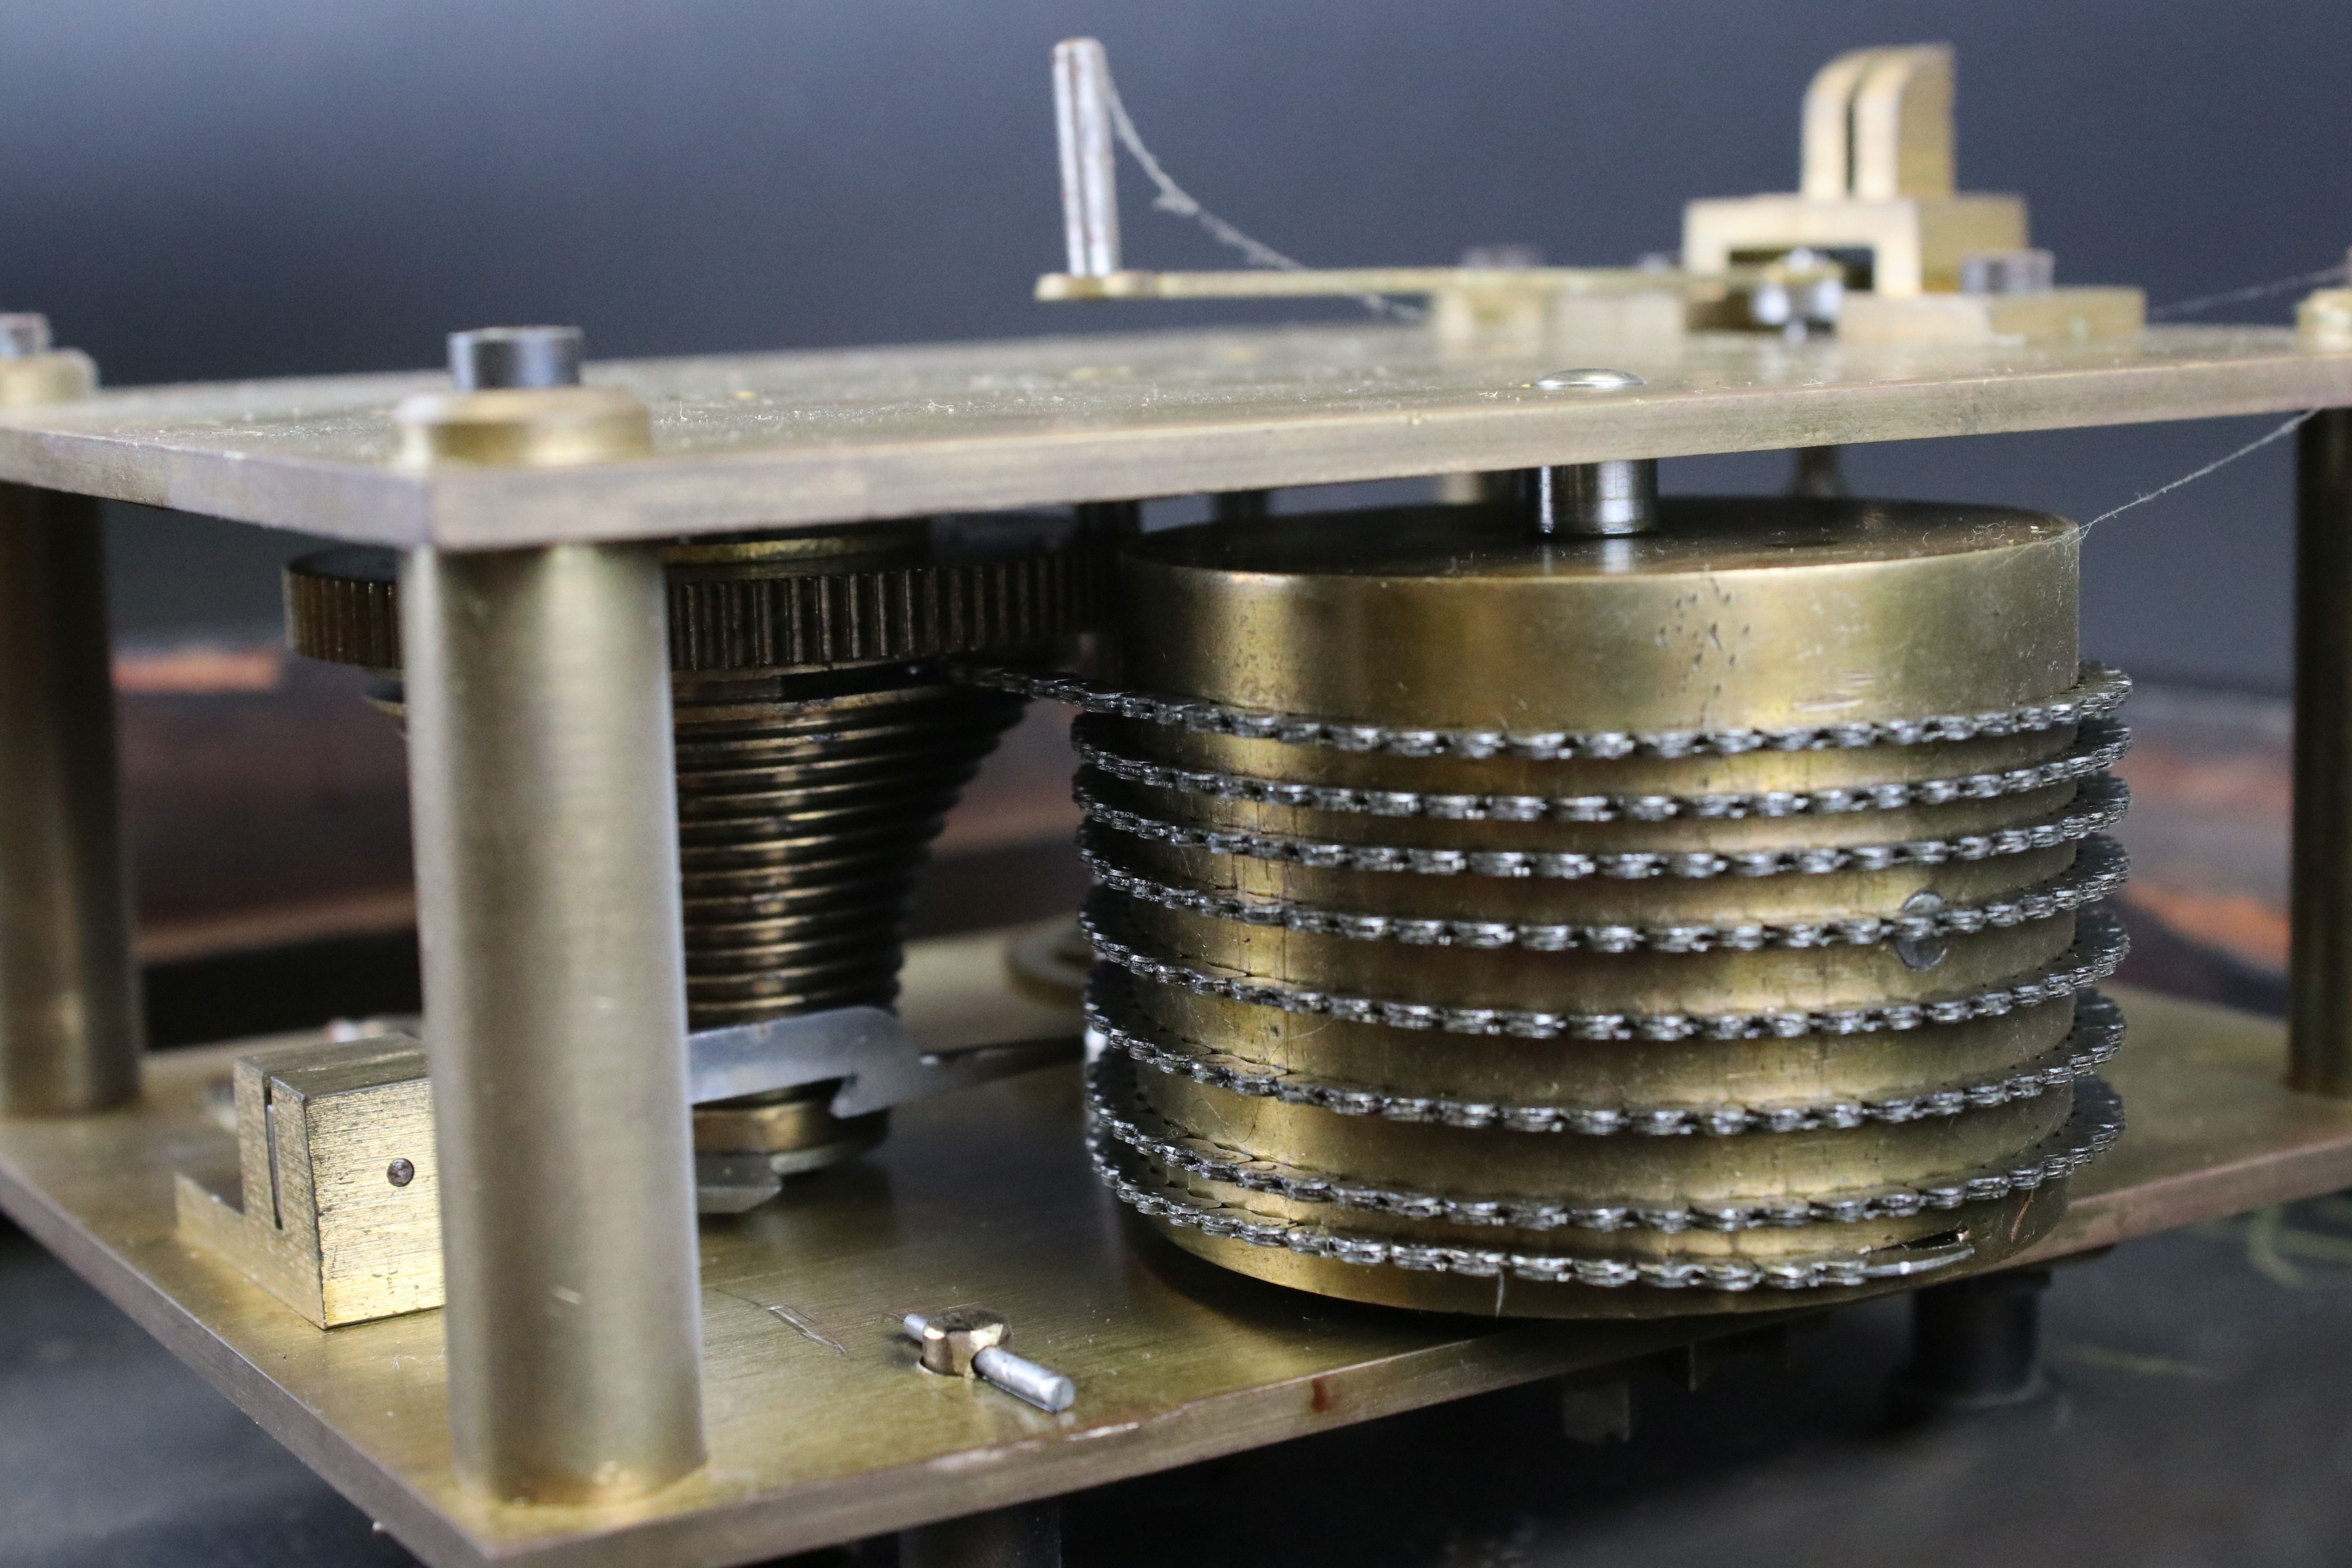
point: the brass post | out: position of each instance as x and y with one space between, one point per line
69 1027
2320 961
546 821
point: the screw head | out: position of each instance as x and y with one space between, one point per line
493 357
400 1173
1588 378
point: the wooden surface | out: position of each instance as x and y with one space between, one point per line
821 1428
771 439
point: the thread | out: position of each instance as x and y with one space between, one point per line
2256 444
2335 274
1173 198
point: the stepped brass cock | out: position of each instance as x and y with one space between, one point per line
1501 921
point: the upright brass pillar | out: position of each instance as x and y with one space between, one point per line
69 1029
546 820
2320 1023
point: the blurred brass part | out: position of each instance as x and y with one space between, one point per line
70 1020
546 426
58 376
1903 610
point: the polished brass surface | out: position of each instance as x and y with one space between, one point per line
69 1026
1298 934
1173 1362
759 441
1452 617
335 1207
2321 899
546 826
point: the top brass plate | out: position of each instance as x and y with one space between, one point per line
758 440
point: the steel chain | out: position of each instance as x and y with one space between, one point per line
2097 692
1177 1148
2100 747
2099 869
2099 947
2091 1130
2099 806
1114 1017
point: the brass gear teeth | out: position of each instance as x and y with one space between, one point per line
342 606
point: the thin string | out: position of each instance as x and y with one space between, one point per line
2256 444
2259 291
1174 199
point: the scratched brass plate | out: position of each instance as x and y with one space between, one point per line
822 1431
748 441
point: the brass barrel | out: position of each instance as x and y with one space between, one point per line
1603 926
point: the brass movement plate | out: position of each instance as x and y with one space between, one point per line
753 440
821 1428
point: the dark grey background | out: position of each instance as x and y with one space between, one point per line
258 187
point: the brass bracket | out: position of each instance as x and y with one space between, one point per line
338 1215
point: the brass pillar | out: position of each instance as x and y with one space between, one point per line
69 1011
2320 967
69 1026
546 821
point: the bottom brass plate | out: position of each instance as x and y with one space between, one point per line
821 1428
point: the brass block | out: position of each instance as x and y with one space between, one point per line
339 1212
